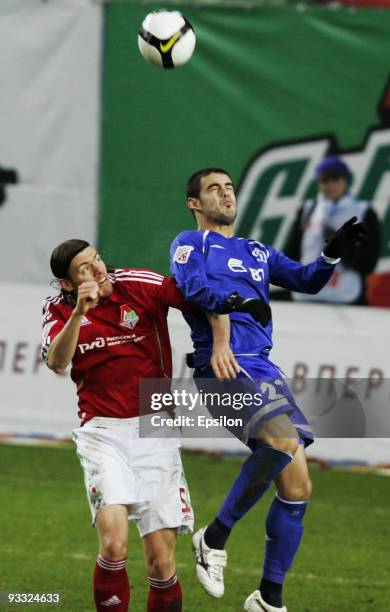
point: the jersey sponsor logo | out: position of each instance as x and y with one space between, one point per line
109 341
236 265
129 317
280 177
114 340
85 346
182 254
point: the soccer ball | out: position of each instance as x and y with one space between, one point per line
166 39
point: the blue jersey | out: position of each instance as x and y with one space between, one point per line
209 267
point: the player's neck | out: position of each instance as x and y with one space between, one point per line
225 230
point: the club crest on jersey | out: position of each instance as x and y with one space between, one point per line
259 255
129 317
182 254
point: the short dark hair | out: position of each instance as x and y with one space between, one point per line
63 254
193 183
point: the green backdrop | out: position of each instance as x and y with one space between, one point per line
257 77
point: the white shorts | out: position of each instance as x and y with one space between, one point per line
144 474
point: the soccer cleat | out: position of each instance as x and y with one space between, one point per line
255 603
209 565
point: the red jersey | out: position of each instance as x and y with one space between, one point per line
123 339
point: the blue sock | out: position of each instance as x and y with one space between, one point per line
284 531
255 476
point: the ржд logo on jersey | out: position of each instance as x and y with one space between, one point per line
129 317
85 346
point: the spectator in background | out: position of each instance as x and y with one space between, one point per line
318 219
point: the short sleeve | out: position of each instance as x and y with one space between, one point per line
52 323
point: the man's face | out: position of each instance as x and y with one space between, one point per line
333 187
217 200
87 266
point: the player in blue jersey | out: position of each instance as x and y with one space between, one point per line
224 274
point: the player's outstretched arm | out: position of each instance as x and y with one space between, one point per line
289 274
64 346
223 362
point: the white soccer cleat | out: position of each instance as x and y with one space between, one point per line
209 565
255 603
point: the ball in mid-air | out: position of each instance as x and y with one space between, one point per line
166 39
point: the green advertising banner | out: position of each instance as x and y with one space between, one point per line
267 93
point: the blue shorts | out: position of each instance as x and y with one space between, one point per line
266 384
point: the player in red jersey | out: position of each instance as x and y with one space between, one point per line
112 327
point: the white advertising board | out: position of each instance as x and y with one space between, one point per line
314 339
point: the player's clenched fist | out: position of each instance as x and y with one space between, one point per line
87 297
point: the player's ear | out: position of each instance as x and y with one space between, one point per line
194 204
65 284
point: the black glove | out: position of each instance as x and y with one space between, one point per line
347 237
258 308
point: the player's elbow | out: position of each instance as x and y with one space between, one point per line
315 286
56 368
54 364
202 296
196 295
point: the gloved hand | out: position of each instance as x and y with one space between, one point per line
347 237
258 308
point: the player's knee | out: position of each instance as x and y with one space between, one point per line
114 549
287 445
161 565
299 492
